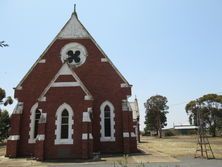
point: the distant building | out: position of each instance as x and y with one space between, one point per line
185 129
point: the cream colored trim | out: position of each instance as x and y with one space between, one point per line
86 117
104 60
103 138
58 140
74 46
90 136
43 118
42 99
124 85
32 124
18 88
73 29
40 137
125 134
65 70
42 61
65 84
14 137
85 136
87 97
132 134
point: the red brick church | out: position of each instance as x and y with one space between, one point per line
72 103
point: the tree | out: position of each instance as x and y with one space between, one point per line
209 109
156 110
3 99
3 44
4 116
4 125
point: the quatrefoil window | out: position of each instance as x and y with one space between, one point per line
74 54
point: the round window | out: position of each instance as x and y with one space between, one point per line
74 54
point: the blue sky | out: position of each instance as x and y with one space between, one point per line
167 47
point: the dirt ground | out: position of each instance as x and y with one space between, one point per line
2 149
172 151
180 146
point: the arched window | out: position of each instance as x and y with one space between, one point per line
107 122
64 125
37 117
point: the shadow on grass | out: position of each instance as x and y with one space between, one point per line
74 161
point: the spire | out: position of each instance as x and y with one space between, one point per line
74 11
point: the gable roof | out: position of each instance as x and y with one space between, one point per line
73 29
65 70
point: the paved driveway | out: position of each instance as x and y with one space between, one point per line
182 162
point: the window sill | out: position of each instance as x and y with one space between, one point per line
63 141
107 139
32 141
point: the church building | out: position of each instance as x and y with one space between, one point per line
72 103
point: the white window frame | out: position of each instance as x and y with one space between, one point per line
32 124
58 140
103 138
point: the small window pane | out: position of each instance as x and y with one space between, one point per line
65 125
65 120
36 128
65 113
37 117
37 114
107 108
107 127
64 131
107 114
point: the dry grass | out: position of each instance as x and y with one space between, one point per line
175 146
180 145
2 149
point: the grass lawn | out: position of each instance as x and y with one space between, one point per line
177 146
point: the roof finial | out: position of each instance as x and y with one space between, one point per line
74 12
74 8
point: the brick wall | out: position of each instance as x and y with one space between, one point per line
100 79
